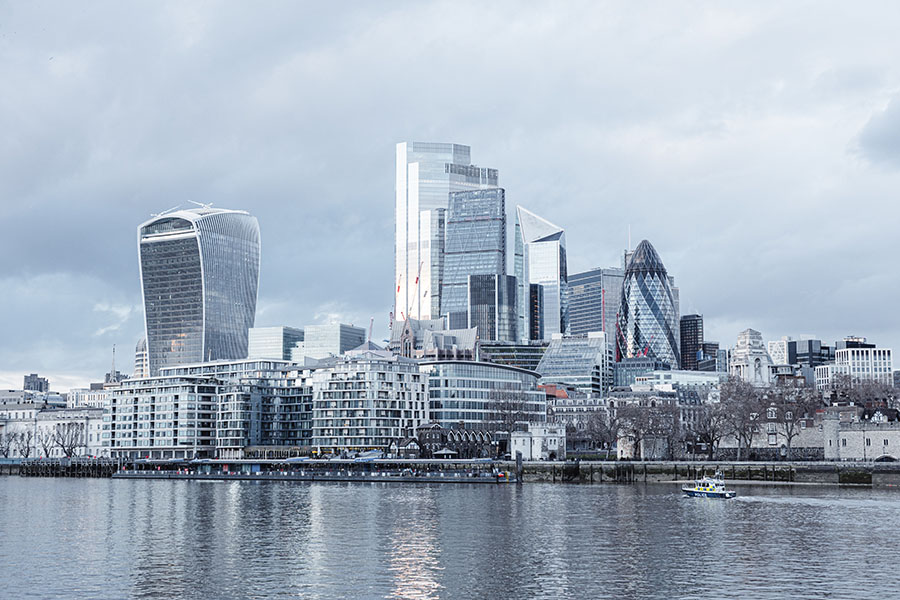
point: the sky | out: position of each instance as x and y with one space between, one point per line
756 145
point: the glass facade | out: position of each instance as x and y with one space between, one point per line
482 395
648 318
541 259
199 279
492 306
426 173
273 342
691 332
475 245
584 362
333 339
594 300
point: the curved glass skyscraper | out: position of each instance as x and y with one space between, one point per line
648 317
199 280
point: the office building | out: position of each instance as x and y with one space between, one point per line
525 356
35 383
691 331
322 341
199 277
584 362
273 342
626 371
862 362
712 358
475 245
540 260
594 300
648 312
426 173
492 306
476 395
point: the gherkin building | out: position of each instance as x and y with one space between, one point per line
648 319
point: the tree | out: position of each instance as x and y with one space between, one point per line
709 427
25 443
658 421
68 437
509 411
848 390
794 403
603 429
45 440
742 404
6 442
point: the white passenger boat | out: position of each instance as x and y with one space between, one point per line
709 487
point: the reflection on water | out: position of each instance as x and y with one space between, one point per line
150 539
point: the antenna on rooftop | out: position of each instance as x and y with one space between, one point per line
629 236
165 212
201 204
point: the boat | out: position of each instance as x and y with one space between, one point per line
709 487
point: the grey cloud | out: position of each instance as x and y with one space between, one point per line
879 140
718 132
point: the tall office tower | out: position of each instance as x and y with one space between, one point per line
199 279
141 361
780 351
273 342
492 307
691 341
540 259
594 300
648 321
475 245
426 173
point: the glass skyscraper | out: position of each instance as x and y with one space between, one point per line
492 307
475 245
273 342
426 173
648 316
540 259
594 300
199 280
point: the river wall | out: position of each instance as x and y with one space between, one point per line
834 473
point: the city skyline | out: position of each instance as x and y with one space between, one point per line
801 168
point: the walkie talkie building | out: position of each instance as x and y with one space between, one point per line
648 318
199 281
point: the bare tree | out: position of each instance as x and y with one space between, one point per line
45 439
657 422
846 389
603 429
509 411
742 404
709 427
69 437
6 442
794 403
25 443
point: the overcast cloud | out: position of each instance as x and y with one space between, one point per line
757 146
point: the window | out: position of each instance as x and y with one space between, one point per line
771 413
868 441
844 442
885 442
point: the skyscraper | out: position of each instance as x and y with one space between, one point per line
475 245
691 341
426 173
594 300
648 320
199 280
540 259
492 307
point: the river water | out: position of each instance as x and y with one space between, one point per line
102 538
